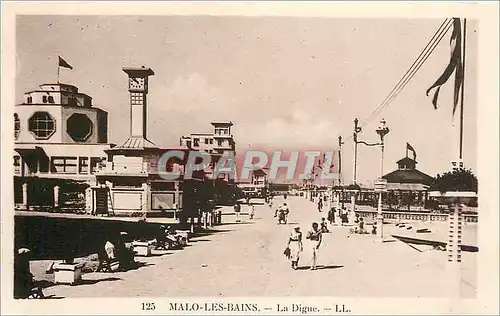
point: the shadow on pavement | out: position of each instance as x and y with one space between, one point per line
320 267
53 297
198 240
90 282
239 223
140 264
44 284
209 232
159 254
389 240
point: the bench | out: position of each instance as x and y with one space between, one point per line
67 273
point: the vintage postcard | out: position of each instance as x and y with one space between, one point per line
206 158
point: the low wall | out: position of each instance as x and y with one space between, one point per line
56 237
414 216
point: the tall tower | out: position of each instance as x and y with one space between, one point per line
138 89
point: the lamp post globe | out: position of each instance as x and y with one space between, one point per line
382 130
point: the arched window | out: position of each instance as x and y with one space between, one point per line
17 126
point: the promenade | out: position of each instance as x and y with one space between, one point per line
246 259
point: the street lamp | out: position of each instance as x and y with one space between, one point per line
382 130
380 183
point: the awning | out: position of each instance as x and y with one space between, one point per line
30 151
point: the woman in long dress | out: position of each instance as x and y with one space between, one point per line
295 246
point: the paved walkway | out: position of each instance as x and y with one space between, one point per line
246 259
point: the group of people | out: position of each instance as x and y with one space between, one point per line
314 236
360 226
294 247
237 210
343 214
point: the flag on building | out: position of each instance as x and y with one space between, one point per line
410 148
64 64
454 65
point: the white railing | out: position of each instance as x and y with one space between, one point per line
124 168
134 168
414 216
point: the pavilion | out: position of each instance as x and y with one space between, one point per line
407 186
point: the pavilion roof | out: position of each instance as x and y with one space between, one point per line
408 176
259 172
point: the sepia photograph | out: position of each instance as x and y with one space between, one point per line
204 157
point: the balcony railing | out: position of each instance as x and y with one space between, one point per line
143 168
124 168
223 146
414 216
223 136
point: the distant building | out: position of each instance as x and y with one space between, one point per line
259 177
200 141
258 184
214 143
58 135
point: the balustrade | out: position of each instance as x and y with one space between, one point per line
415 216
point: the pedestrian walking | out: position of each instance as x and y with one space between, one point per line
331 215
324 226
320 204
237 210
315 237
294 246
252 211
282 213
344 216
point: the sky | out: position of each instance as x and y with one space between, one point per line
285 82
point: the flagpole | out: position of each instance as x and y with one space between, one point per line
58 69
462 92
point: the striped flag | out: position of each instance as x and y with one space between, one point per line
454 65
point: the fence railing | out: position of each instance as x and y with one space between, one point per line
414 216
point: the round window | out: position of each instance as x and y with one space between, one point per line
79 127
42 125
